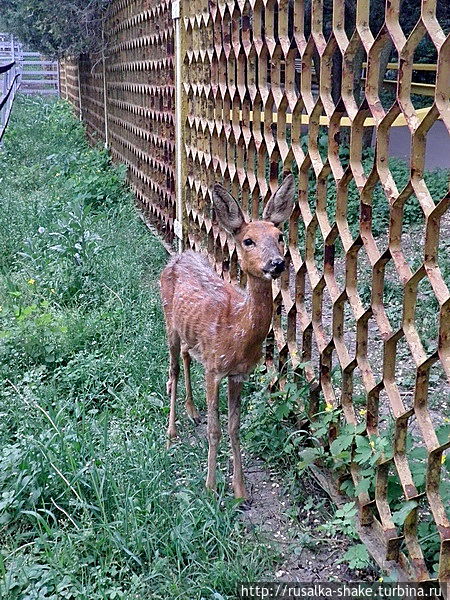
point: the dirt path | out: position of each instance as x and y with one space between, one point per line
291 529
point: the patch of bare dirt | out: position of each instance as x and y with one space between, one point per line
307 556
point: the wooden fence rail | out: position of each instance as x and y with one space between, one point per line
193 91
38 74
10 78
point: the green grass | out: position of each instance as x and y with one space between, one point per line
92 506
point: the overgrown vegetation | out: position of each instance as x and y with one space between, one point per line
92 506
56 28
281 429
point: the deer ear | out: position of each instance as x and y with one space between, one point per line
228 211
279 207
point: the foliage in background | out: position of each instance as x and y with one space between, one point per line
437 181
55 28
73 27
92 506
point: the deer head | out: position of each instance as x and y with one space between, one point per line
260 243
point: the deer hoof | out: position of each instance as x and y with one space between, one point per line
212 489
196 419
171 437
240 493
192 412
246 504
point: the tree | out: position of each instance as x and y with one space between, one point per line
55 28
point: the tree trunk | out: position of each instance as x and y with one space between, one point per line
385 55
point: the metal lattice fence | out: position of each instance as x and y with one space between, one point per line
127 101
268 86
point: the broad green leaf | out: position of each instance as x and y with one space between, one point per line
400 516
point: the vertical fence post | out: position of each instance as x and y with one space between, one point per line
58 79
64 71
4 109
79 87
179 127
105 96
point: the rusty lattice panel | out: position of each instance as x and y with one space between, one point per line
62 80
139 72
70 88
92 96
273 86
140 100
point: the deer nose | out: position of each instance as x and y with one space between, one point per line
275 267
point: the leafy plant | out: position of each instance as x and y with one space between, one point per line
293 437
270 421
343 521
356 556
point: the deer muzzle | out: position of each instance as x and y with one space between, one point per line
274 267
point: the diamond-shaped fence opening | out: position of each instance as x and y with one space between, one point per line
393 296
427 316
339 264
349 200
399 149
359 395
336 377
349 329
330 194
353 74
314 357
413 233
327 313
364 278
405 370
424 73
316 238
385 415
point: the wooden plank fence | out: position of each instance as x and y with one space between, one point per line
10 81
190 92
38 74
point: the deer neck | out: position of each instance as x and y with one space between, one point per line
258 306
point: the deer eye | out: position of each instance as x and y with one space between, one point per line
281 238
248 242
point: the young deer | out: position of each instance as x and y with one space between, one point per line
220 325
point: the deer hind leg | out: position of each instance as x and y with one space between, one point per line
213 429
174 370
190 408
234 417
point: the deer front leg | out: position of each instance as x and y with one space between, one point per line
234 418
190 407
174 370
214 433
